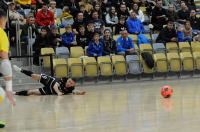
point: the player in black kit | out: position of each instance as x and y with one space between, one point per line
52 85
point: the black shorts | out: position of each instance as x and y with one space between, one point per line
48 83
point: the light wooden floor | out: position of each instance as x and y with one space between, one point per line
121 107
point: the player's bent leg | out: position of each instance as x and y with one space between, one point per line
34 92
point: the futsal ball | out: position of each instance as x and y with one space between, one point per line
166 91
2 95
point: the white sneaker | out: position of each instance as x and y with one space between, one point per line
16 68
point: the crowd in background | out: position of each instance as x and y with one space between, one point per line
92 23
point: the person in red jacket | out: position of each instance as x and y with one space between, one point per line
44 17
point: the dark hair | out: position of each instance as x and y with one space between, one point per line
136 11
110 10
95 33
2 13
106 30
81 26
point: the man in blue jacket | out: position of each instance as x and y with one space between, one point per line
125 44
95 47
135 26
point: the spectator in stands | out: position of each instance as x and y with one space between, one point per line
30 24
82 38
111 17
73 6
185 34
99 24
135 26
117 3
139 13
42 41
95 47
66 18
85 13
197 37
44 17
109 46
123 11
52 7
78 22
183 13
120 26
158 16
148 4
171 13
167 34
14 15
97 7
177 4
125 44
90 30
195 22
87 6
55 37
68 38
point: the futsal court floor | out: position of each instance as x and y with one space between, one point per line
116 107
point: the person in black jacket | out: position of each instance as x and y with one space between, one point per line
82 38
109 45
168 34
120 26
195 22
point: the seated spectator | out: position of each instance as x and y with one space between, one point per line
135 26
159 16
97 7
185 34
42 41
111 17
68 38
78 22
99 24
140 14
125 44
183 13
87 6
167 34
197 37
90 30
55 37
73 6
52 7
95 47
30 24
109 46
123 11
44 17
82 38
171 13
120 26
195 22
149 4
14 15
85 13
66 18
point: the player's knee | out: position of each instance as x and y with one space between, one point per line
6 68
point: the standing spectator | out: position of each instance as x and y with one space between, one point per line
95 47
123 12
167 34
44 17
78 22
68 38
183 13
195 22
135 26
82 38
158 16
120 26
140 14
109 46
111 17
171 13
125 44
99 24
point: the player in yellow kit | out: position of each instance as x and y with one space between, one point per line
5 65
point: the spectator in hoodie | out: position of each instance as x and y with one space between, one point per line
120 26
45 17
109 46
68 38
95 47
167 34
125 44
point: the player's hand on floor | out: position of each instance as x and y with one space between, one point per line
79 92
9 95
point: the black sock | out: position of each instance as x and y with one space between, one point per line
26 72
22 93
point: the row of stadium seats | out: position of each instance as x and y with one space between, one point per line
174 58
